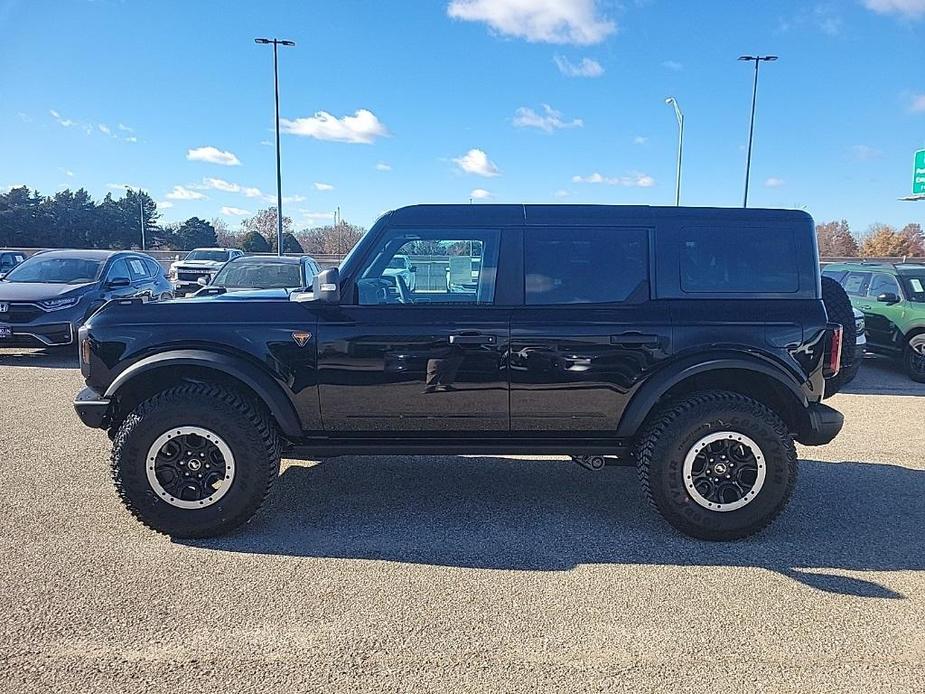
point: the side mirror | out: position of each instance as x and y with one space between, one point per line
888 298
119 283
326 286
413 268
2 275
202 282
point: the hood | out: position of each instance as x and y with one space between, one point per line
40 291
199 264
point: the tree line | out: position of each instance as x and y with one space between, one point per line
72 219
836 240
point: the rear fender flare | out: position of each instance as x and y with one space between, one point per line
648 395
259 381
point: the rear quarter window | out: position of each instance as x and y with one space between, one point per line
738 260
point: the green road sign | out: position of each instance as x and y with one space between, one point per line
918 175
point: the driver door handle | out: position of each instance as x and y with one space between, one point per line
472 339
635 339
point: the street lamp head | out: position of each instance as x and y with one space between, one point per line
287 43
746 57
768 57
670 100
262 41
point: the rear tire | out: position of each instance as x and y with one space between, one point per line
915 358
839 309
235 441
680 438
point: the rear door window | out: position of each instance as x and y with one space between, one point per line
137 268
883 284
744 260
571 265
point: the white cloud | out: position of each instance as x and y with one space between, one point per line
103 128
131 138
475 161
672 65
864 152
252 192
561 193
164 204
917 103
266 143
544 21
181 193
910 9
362 127
66 172
634 180
125 128
67 123
234 212
479 194
640 140
220 184
213 155
382 166
323 186
122 186
310 216
586 68
547 122
773 182
24 117
286 198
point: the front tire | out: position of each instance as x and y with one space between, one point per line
196 460
717 465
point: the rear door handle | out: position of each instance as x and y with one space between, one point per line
635 339
472 339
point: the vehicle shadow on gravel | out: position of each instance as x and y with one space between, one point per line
55 358
550 515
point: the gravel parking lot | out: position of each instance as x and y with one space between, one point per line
460 574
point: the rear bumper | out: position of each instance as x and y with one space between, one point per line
92 408
822 425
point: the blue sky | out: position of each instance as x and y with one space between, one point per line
440 100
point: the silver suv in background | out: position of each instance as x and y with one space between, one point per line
199 263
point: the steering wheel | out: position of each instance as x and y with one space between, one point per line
404 294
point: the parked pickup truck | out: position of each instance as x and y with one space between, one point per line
692 342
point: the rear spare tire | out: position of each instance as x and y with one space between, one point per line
839 310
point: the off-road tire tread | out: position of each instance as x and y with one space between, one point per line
839 310
260 420
661 421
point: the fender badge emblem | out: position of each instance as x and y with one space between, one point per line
301 337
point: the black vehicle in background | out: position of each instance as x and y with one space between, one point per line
45 299
9 260
247 273
693 342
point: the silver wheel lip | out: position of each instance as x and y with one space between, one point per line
917 344
211 436
703 443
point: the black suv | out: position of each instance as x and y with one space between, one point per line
691 341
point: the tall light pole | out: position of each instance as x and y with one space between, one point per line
757 59
141 215
671 101
279 178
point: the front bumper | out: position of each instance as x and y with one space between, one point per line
39 334
92 408
822 425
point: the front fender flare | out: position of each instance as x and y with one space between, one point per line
258 380
648 395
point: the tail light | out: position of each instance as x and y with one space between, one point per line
833 359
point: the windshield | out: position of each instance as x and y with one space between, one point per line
218 256
255 274
915 287
56 270
398 262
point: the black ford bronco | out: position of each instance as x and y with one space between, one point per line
693 342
